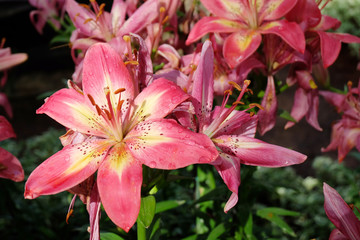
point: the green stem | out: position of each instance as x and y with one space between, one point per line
141 231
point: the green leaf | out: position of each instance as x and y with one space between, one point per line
192 237
248 227
167 205
147 210
278 211
286 115
110 236
216 232
272 214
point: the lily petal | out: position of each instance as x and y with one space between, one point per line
290 32
164 144
230 9
337 235
9 61
340 214
69 108
119 182
10 167
66 168
229 170
80 16
255 152
213 24
237 123
6 130
269 10
157 100
142 17
103 67
240 45
203 86
330 48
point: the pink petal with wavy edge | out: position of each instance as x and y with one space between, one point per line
306 13
239 46
267 115
230 9
300 107
10 167
104 68
269 10
156 101
79 16
38 20
312 114
337 235
94 213
142 17
170 54
335 99
119 181
71 109
164 144
229 170
330 48
340 214
255 152
66 168
12 60
290 32
203 85
213 25
237 123
6 130
4 102
118 14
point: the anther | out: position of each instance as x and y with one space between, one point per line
68 215
108 114
252 114
91 100
238 102
88 20
126 38
162 9
119 105
235 85
98 109
250 91
131 62
119 90
228 92
247 82
165 20
251 105
84 5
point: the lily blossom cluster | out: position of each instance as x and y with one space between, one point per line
345 132
302 39
341 215
10 166
123 129
154 101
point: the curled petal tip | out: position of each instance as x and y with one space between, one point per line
30 195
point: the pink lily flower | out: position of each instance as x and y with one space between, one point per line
246 21
308 15
341 215
47 10
232 131
346 132
125 129
8 60
277 54
10 166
